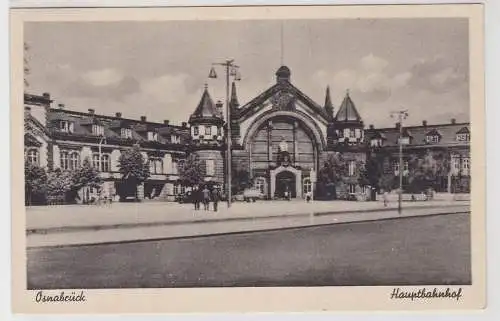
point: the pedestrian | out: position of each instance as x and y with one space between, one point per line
194 198
216 196
308 197
386 198
206 198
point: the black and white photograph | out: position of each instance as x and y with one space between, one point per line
248 153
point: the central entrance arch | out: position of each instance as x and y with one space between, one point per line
283 178
285 183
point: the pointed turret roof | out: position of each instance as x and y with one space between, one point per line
328 103
347 111
233 103
206 108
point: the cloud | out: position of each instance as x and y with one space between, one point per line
103 77
107 84
369 79
438 75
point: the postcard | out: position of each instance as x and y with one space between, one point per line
248 159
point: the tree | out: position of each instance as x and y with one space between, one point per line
85 176
331 174
35 184
191 171
369 174
133 167
423 172
59 183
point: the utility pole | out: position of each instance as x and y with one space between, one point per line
401 115
231 71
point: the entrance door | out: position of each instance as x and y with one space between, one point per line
285 182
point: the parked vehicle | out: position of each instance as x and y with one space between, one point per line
252 194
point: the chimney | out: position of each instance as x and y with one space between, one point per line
184 124
61 106
453 120
424 123
166 122
371 126
143 118
46 95
118 115
91 111
398 125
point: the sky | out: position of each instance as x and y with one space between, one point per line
159 69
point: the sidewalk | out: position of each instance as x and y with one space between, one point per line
70 217
71 225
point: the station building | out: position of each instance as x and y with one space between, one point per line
278 138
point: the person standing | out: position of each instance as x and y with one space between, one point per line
216 196
206 198
194 198
386 198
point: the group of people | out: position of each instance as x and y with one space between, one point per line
206 196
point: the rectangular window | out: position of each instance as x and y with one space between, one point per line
175 167
376 142
176 189
352 168
126 133
64 160
219 131
210 166
463 137
196 130
432 139
66 126
175 139
152 136
97 130
208 131
352 188
465 163
352 133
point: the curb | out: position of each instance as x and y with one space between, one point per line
244 232
65 229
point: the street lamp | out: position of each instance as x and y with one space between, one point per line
101 140
231 71
401 115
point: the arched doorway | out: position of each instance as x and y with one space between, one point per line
285 182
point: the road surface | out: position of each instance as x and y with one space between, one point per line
410 251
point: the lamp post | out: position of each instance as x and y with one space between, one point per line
101 140
401 115
231 71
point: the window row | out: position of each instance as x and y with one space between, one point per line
207 132
98 130
350 133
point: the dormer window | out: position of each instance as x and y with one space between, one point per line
463 137
432 139
97 130
175 139
66 126
126 133
405 140
376 142
152 136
